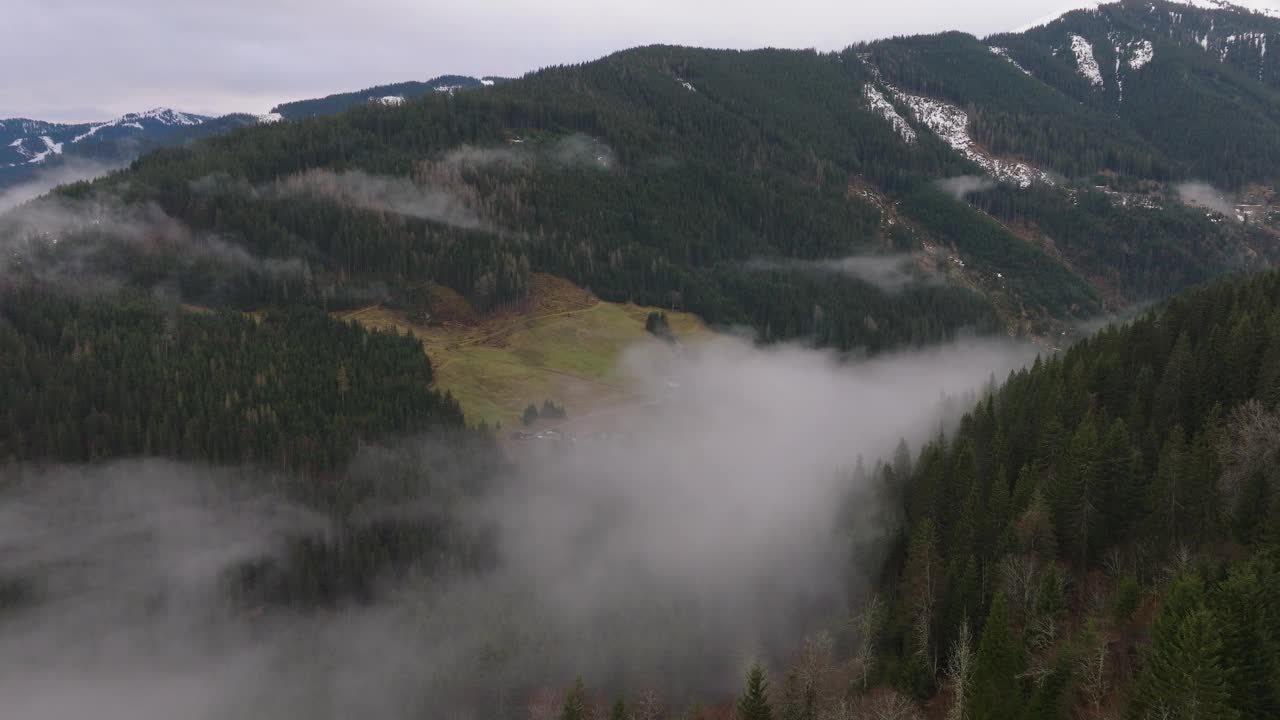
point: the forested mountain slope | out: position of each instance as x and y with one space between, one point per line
1096 538
1133 477
749 186
1196 84
88 379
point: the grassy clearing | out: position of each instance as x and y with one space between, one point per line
564 345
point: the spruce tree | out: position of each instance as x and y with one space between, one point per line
575 703
754 703
997 689
1183 674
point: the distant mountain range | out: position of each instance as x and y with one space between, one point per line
30 147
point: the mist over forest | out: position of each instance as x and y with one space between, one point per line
932 377
736 514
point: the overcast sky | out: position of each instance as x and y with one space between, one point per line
79 60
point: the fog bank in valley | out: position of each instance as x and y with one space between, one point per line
713 522
71 170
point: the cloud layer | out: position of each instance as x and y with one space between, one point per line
712 523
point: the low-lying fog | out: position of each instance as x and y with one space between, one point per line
720 526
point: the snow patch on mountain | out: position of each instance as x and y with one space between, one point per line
1004 53
1142 55
165 116
952 125
1135 54
394 100
1085 61
949 123
881 105
686 85
161 116
50 148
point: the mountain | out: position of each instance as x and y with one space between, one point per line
1097 537
387 94
1024 182
1115 499
31 147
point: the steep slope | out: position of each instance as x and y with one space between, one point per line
1087 511
759 188
93 378
1196 83
614 174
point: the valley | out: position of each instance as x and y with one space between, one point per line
917 376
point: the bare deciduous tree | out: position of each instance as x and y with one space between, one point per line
889 706
959 671
1020 581
1092 666
1250 445
647 707
866 625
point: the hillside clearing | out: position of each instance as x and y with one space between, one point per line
564 345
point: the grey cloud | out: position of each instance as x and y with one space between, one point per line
959 187
1206 195
891 273
576 150
46 179
442 195
398 195
720 510
75 242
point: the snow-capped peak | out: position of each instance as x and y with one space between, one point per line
162 116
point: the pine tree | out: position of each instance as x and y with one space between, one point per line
1182 674
754 703
575 703
1079 506
997 689
1176 387
922 580
1166 500
799 698
1246 607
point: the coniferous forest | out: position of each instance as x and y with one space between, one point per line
838 504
